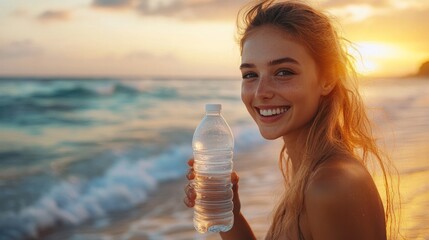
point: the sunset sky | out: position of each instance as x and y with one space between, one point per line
187 37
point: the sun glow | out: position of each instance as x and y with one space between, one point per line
371 58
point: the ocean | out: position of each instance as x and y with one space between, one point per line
88 158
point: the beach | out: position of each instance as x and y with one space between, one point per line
106 159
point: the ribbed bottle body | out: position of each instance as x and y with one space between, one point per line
213 146
212 184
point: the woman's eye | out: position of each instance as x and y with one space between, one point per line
285 73
249 75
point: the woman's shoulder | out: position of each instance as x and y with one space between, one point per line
339 173
341 178
341 200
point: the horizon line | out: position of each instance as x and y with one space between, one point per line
117 77
160 77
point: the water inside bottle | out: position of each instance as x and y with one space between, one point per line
213 205
212 184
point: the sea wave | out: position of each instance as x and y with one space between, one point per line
52 105
75 200
87 91
123 186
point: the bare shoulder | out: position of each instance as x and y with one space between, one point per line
338 176
342 202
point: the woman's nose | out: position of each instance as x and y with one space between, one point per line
264 89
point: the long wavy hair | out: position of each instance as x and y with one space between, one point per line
341 124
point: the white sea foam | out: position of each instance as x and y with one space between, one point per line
74 201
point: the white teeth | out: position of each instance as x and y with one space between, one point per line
271 112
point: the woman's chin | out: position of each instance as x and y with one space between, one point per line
269 135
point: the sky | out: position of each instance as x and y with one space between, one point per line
188 38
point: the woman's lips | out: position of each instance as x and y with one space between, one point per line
271 113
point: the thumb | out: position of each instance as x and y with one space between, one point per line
235 198
234 181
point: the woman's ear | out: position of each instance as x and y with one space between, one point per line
327 86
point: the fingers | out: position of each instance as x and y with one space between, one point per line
191 162
190 197
191 174
188 202
234 178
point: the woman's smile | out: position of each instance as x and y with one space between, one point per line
269 114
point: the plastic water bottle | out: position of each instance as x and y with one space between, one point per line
213 145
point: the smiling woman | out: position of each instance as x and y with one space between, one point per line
306 72
299 85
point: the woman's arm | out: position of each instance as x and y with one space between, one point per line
240 229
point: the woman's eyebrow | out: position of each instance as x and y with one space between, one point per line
283 60
272 62
247 65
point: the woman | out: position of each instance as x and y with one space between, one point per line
299 85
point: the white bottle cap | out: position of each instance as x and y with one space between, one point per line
211 107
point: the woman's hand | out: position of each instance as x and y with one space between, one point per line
191 195
240 229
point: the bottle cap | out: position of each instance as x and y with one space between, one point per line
210 107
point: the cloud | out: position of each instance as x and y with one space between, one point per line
112 4
344 3
139 54
20 49
182 9
54 15
142 55
359 10
227 9
400 25
187 9
19 12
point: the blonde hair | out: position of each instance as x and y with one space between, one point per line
341 124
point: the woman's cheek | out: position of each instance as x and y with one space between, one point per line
247 98
246 93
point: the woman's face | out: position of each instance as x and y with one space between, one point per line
280 87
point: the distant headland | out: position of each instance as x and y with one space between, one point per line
423 70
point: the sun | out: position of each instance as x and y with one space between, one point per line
370 57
